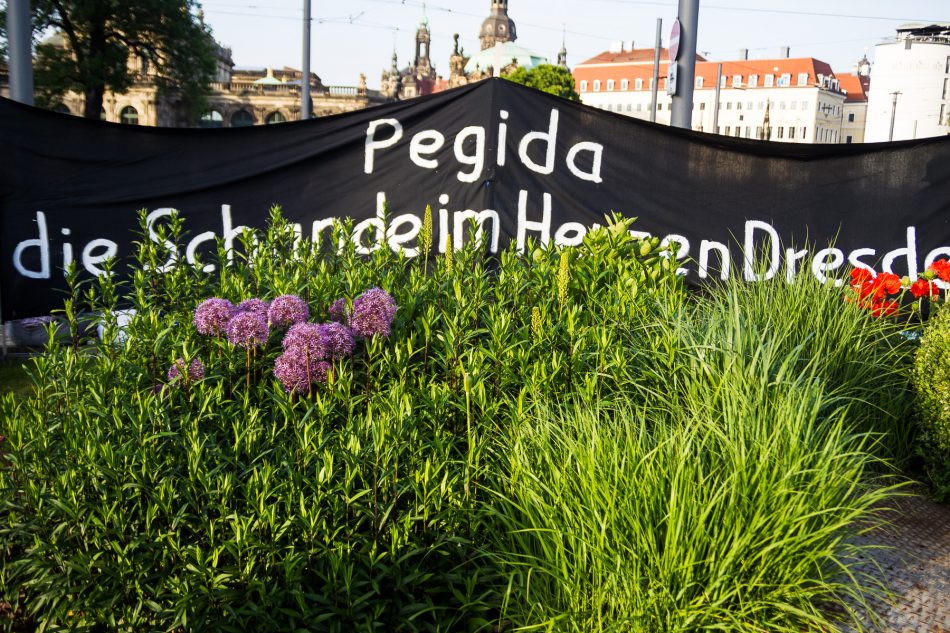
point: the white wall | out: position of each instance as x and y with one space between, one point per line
919 74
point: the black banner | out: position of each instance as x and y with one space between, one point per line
522 163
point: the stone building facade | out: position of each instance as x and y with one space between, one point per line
237 97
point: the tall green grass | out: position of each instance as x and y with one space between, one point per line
721 494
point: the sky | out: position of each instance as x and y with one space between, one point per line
350 37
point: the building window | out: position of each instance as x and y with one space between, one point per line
769 81
847 140
802 79
753 81
794 105
761 105
597 85
947 71
619 107
729 105
738 105
791 132
781 132
659 106
275 117
610 85
702 105
785 80
584 85
749 105
610 107
629 107
211 118
748 132
738 131
242 118
699 82
625 84
638 84
736 81
728 130
943 116
722 82
758 131
851 117
945 82
804 132
781 105
639 107
129 116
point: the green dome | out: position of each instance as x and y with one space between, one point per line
501 55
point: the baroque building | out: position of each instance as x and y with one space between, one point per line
415 80
237 97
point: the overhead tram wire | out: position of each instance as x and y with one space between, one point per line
720 7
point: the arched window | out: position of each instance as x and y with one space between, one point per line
242 118
211 118
275 117
129 116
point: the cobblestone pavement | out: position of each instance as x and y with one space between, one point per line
915 565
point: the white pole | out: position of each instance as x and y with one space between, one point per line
305 101
656 66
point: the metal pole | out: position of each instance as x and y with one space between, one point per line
686 61
656 66
890 136
20 37
305 103
715 129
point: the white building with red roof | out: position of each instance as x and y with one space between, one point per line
855 87
796 100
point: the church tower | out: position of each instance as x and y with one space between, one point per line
423 38
497 27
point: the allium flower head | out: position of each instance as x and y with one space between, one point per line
247 329
286 310
212 316
306 338
337 340
194 372
337 311
257 306
373 313
297 372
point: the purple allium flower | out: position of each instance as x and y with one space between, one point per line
195 371
337 311
307 338
257 306
286 310
212 316
337 340
247 329
297 372
373 313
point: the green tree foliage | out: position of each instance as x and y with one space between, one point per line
100 40
554 80
932 383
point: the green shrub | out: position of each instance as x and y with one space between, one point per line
932 384
229 504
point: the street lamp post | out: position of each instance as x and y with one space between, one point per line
656 67
682 104
19 33
894 95
715 127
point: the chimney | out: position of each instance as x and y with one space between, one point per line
786 52
744 53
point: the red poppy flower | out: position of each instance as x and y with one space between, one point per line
941 268
889 283
860 276
923 288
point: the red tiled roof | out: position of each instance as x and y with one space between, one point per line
637 55
856 86
707 70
